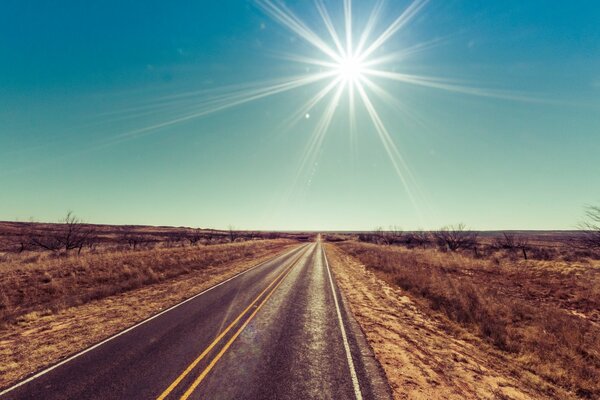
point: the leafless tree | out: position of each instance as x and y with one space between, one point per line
395 235
417 238
590 229
366 237
133 240
513 243
209 235
232 234
22 240
456 237
194 236
381 236
254 235
378 236
70 234
178 238
272 235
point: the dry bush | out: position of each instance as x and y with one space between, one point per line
392 236
332 237
456 237
512 243
417 239
543 313
194 236
36 282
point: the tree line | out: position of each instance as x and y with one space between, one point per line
459 237
72 234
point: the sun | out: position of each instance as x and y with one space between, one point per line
350 70
347 56
349 62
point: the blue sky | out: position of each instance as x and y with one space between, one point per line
76 76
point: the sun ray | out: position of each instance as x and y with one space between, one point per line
370 25
316 140
329 24
399 23
400 166
392 101
311 103
284 16
309 60
442 84
348 27
405 53
352 119
223 104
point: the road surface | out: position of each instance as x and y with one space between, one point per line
278 331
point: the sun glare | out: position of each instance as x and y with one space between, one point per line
347 59
350 63
350 70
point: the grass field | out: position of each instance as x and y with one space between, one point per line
55 303
544 312
46 282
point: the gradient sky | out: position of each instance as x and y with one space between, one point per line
75 75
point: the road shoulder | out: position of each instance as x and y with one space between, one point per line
363 353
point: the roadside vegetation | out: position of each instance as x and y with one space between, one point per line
49 267
536 298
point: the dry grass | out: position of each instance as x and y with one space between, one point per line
43 337
35 281
543 314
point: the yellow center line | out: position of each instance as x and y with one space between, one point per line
210 366
222 334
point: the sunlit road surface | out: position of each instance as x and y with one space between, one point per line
279 331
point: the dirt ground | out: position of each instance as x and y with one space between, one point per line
39 339
424 357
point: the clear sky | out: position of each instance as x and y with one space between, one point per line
161 112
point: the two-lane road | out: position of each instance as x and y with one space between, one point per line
277 331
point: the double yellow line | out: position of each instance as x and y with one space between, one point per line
270 289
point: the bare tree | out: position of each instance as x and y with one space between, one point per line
513 243
417 238
590 229
178 238
70 234
395 235
272 235
380 236
366 237
232 234
133 240
22 240
456 237
209 235
194 236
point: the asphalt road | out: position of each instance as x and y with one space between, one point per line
278 331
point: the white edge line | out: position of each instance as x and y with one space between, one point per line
353 374
74 356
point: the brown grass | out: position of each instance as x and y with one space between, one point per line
44 281
543 314
42 337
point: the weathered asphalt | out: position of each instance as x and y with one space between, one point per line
273 332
